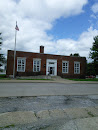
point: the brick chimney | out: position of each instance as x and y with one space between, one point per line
41 49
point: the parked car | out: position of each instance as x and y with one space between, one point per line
91 76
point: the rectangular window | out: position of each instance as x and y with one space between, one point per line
36 65
21 64
65 65
76 67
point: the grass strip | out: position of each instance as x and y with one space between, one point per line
85 79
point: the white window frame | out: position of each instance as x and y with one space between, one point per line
21 65
36 59
66 67
76 67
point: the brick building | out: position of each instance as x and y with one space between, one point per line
31 64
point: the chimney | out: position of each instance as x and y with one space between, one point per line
41 49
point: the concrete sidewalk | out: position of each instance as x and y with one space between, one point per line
61 80
72 119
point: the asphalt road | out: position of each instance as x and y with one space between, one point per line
40 103
45 89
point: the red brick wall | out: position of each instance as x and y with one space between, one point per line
29 64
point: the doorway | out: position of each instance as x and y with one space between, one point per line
51 70
51 67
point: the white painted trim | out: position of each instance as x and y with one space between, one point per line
51 65
76 62
21 58
65 66
37 59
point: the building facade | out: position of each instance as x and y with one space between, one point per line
32 64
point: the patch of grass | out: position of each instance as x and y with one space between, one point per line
2 75
89 113
85 79
8 126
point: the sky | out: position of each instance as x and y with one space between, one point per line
61 26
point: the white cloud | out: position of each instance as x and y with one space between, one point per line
93 16
81 46
95 8
34 18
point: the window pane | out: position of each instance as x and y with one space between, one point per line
19 68
34 68
37 69
63 70
63 64
37 62
22 68
19 61
22 61
77 65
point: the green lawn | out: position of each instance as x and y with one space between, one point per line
85 79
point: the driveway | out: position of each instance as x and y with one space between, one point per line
45 89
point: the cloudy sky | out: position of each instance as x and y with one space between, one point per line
62 26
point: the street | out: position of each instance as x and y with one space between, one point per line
45 89
48 106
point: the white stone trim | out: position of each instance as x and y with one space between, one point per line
37 59
51 65
76 62
21 58
65 66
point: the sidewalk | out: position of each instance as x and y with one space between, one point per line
58 80
74 118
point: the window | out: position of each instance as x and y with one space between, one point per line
76 67
21 64
65 65
36 65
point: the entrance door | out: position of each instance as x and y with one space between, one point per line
51 67
51 70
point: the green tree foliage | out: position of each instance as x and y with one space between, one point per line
75 54
94 54
94 49
2 58
90 69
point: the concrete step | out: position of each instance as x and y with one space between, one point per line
34 77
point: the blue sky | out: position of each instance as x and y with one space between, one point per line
62 26
73 26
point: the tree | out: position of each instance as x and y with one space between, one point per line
90 69
94 53
2 58
75 54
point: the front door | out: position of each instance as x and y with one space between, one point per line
51 70
51 67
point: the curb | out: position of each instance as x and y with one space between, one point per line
48 81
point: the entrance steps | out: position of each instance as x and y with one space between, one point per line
41 77
34 77
56 77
